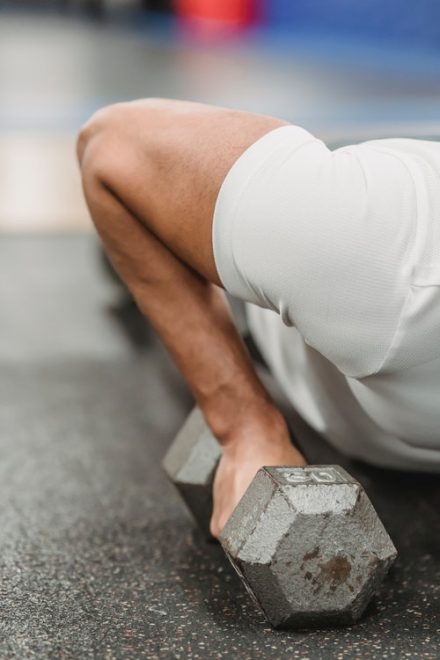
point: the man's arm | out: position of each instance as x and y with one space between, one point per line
151 174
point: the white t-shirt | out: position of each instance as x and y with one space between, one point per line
338 253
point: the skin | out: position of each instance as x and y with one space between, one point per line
151 174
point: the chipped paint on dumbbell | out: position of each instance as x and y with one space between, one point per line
308 545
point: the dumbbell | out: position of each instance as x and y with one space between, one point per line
306 541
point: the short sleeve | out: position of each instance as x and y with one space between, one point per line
323 238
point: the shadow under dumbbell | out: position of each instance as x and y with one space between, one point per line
211 577
212 583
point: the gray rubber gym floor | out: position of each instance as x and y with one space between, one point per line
98 556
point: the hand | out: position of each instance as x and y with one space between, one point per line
237 467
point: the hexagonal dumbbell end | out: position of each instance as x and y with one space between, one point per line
190 464
308 546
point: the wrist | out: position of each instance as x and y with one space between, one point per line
249 426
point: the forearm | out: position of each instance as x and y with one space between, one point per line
200 333
193 319
152 172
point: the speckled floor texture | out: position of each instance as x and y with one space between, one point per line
98 557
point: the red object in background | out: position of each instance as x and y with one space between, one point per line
223 13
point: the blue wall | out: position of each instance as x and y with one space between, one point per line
409 21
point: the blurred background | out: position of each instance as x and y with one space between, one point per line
97 556
338 67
